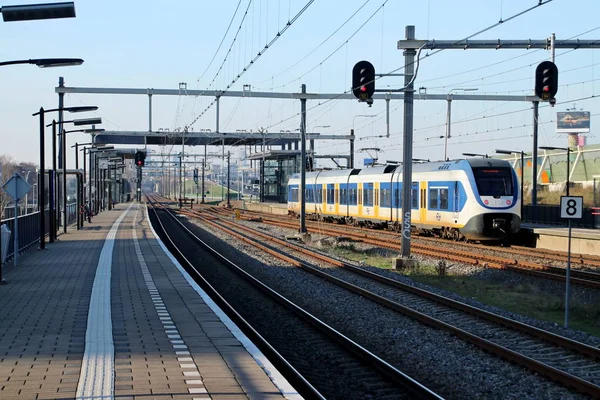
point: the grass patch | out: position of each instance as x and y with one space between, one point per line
523 299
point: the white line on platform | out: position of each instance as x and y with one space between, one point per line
96 379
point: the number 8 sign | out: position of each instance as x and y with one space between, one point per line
571 207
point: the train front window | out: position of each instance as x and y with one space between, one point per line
493 181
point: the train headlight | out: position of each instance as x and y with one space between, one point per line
486 202
508 202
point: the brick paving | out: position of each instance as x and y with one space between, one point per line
168 343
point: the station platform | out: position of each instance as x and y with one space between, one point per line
583 241
106 312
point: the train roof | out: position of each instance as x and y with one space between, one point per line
450 165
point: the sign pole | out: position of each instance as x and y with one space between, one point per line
570 207
568 279
16 234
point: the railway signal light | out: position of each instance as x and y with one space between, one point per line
309 163
140 157
363 81
546 80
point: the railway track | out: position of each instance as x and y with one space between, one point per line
471 256
569 362
325 359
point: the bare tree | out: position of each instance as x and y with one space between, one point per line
9 167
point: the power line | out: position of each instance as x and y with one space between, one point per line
318 46
541 3
337 49
260 53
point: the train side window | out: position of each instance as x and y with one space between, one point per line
443 199
337 196
433 198
414 198
385 199
367 197
397 197
294 194
330 194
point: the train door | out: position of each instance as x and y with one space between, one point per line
423 202
455 202
337 199
359 199
376 199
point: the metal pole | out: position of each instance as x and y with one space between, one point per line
109 184
61 104
149 112
16 234
85 180
77 199
552 47
203 188
228 176
387 117
64 180
409 58
53 189
522 195
568 279
203 166
568 168
351 162
534 155
42 184
180 198
449 99
303 162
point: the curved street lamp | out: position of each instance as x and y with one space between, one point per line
28 12
41 186
46 62
475 155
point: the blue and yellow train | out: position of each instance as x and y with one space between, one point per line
475 199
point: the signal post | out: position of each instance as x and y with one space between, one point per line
140 160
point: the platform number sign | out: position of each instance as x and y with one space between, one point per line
571 207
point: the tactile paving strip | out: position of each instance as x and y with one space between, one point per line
96 379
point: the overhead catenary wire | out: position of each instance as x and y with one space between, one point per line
318 46
217 51
260 53
541 3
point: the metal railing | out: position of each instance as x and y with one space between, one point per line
29 231
550 215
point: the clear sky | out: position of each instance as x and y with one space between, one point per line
158 44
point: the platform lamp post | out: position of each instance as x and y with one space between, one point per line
522 153
81 192
46 62
41 186
28 12
94 197
475 155
568 150
448 118
76 122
